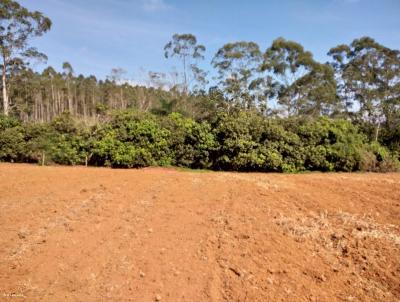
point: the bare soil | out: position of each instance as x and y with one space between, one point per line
96 234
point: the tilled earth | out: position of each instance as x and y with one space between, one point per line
97 234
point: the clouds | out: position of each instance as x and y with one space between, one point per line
154 5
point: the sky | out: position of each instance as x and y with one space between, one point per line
98 35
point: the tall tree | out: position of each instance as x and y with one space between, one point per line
186 48
117 76
314 93
49 75
68 74
238 66
302 85
369 80
287 61
17 26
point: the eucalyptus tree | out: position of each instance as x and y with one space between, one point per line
49 75
316 92
237 65
369 80
158 80
118 77
17 26
68 75
199 78
91 94
24 88
185 48
287 62
302 85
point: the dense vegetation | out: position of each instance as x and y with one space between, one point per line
240 141
273 110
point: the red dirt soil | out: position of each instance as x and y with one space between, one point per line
97 234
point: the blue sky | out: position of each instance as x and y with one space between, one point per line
98 35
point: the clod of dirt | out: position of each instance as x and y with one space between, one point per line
236 272
21 235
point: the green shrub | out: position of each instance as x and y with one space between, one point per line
191 143
287 144
12 140
132 140
377 158
239 141
59 142
331 145
250 142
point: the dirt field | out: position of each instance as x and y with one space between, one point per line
87 234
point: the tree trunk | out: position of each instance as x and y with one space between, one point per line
121 97
93 103
84 107
69 96
5 94
378 127
53 100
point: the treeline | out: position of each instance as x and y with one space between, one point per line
272 109
239 141
40 97
361 83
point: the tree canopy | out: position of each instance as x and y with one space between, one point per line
17 26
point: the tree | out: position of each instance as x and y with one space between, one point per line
316 92
68 74
25 90
117 76
185 47
288 62
301 85
369 77
238 65
17 26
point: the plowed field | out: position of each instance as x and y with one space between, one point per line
97 234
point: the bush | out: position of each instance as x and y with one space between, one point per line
132 140
331 145
377 158
192 144
59 142
238 138
280 141
12 140
240 141
249 142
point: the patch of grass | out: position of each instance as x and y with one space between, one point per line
183 169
